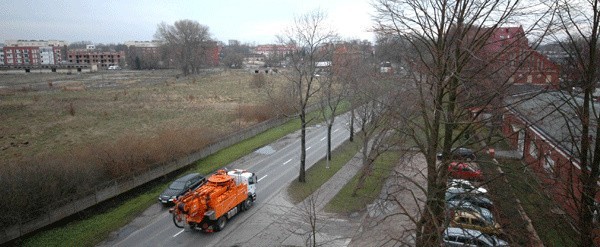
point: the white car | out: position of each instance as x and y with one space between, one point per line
466 185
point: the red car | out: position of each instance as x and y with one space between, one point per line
463 170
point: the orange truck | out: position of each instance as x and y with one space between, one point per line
210 206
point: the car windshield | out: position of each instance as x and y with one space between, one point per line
177 185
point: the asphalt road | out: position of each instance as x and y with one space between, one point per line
276 165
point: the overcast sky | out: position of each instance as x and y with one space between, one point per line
118 21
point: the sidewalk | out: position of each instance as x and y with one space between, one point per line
332 230
385 222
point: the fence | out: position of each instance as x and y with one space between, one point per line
117 187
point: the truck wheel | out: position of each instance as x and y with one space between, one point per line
178 220
221 222
248 203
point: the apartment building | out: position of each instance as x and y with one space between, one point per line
32 52
21 55
93 57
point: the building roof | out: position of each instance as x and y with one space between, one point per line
553 114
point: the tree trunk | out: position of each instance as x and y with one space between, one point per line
329 127
352 125
365 168
302 174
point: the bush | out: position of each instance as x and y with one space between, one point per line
258 80
35 185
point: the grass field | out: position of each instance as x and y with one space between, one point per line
61 135
91 109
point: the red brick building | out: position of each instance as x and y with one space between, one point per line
33 52
21 55
545 134
89 57
529 66
274 50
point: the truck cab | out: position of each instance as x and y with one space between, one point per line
249 178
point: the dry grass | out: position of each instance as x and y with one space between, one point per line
57 144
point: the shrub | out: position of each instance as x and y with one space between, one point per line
258 80
35 185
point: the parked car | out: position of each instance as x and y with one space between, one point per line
455 237
181 186
474 220
460 154
467 185
457 195
467 206
463 170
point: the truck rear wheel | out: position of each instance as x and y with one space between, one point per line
220 224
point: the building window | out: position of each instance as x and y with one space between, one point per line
548 163
533 151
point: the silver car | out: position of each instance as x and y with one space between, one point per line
455 237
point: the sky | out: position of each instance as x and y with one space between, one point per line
118 21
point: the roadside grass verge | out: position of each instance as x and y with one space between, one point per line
318 174
553 229
90 231
344 202
503 196
93 228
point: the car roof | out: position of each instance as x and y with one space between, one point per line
462 232
458 181
467 214
188 177
463 149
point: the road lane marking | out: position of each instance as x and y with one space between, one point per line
322 139
178 233
288 161
336 130
262 178
308 148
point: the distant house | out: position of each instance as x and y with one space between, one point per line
274 50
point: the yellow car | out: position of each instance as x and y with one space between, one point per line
474 220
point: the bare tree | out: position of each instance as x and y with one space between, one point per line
187 41
309 34
331 97
335 86
233 55
352 67
446 43
578 36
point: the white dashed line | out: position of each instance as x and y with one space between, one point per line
288 161
322 139
262 178
308 148
178 233
335 130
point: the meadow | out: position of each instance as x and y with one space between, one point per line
62 135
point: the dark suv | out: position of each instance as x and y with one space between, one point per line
181 186
460 154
